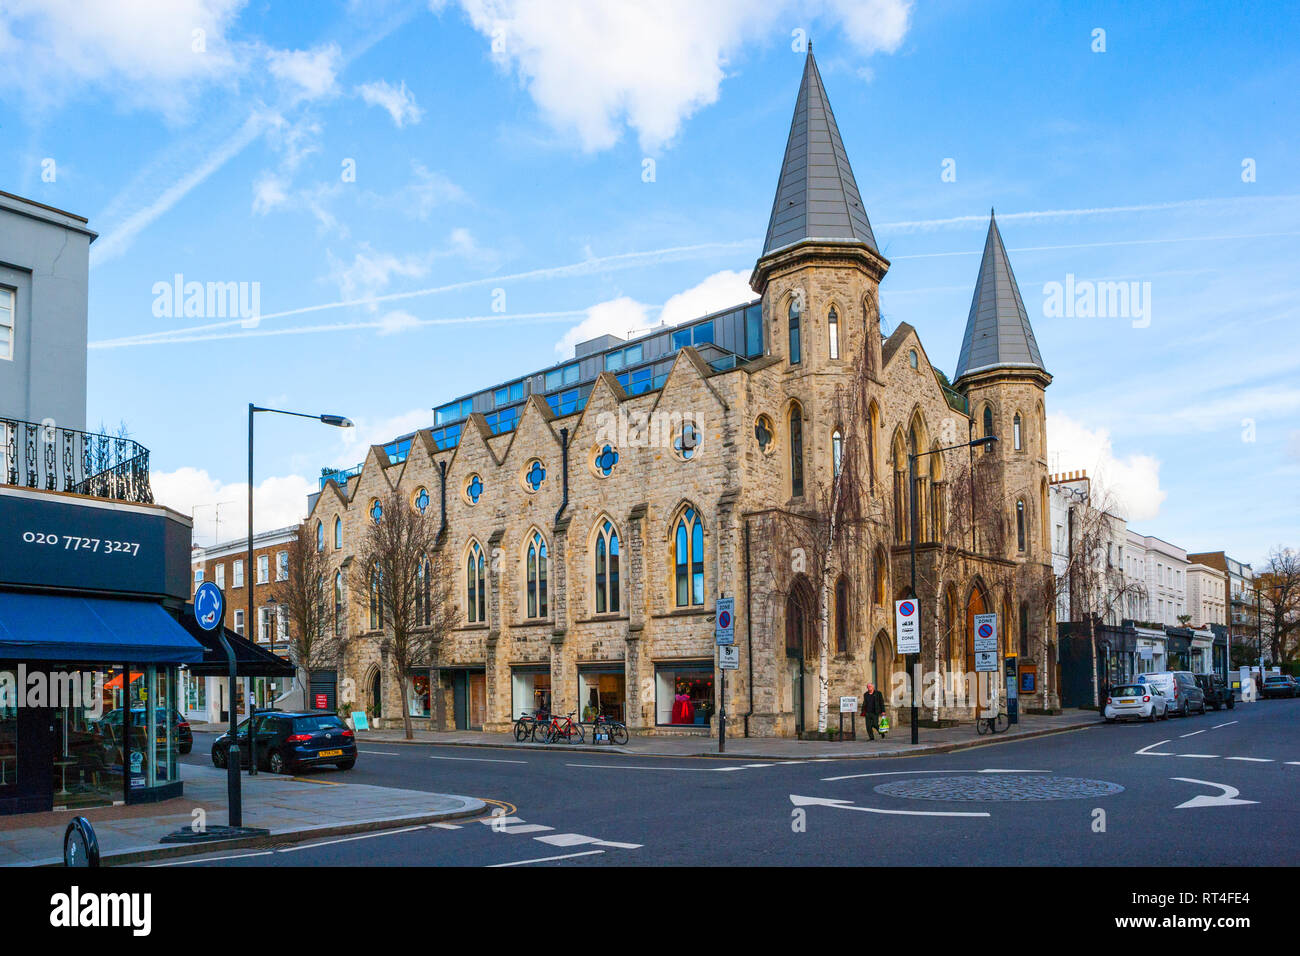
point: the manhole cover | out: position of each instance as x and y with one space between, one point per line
999 787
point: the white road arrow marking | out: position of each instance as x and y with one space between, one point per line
1147 751
894 773
799 801
1228 724
1228 798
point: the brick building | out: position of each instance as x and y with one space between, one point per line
596 510
224 565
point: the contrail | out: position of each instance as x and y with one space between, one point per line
1098 245
623 260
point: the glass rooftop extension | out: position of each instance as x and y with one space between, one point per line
723 339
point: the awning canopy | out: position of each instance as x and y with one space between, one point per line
61 627
250 660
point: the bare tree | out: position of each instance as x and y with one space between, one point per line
1279 588
1089 574
403 578
308 601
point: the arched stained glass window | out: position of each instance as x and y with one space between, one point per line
795 312
796 451
688 559
338 532
606 569
475 586
536 575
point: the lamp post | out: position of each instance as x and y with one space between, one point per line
234 796
912 659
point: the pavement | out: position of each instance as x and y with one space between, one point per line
1211 790
896 744
293 809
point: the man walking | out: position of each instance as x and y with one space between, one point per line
873 705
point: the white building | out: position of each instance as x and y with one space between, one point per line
1206 595
1162 568
1072 508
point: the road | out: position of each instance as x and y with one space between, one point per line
1165 794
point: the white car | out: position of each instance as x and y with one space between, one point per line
1141 701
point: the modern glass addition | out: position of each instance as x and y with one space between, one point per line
560 377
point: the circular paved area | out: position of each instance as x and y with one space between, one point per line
999 787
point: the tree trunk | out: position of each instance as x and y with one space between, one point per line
406 709
823 663
1092 647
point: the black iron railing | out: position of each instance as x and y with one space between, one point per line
50 458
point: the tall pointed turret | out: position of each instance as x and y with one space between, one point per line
998 334
816 196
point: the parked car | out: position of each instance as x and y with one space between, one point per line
111 723
1278 685
289 741
1181 690
1216 690
1140 701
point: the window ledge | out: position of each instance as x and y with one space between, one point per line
603 619
685 612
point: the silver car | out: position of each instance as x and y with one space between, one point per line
1136 701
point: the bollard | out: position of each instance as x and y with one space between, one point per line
80 845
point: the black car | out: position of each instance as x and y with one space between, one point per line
1217 692
289 741
111 724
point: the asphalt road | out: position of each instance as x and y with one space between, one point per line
1129 794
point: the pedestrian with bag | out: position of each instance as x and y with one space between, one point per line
873 707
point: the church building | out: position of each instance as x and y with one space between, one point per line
781 453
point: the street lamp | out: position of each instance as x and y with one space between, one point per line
235 798
912 659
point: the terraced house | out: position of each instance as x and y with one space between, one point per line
596 510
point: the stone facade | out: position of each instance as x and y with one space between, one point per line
742 493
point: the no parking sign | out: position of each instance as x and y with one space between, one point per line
907 621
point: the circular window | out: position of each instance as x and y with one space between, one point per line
473 489
376 510
688 441
604 459
534 475
420 500
765 434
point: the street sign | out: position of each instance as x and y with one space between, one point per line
724 629
322 702
728 657
209 606
986 633
848 705
907 625
986 662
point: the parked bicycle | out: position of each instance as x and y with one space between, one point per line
527 726
566 729
992 725
604 729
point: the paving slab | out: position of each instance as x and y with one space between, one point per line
292 809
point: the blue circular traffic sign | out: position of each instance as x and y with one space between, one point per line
724 619
209 606
907 608
986 631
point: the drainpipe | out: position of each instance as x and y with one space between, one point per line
564 472
749 627
442 474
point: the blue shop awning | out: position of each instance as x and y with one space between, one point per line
55 627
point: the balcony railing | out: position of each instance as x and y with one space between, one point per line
49 458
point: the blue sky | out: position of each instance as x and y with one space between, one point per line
222 157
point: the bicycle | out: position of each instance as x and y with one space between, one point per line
525 727
614 731
992 725
566 730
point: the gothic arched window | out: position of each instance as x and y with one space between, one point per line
1015 432
536 575
688 559
795 312
796 451
606 569
1020 526
475 586
833 326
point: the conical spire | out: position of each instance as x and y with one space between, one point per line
998 334
816 196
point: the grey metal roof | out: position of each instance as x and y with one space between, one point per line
998 334
816 196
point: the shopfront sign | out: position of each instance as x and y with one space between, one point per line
92 545
907 625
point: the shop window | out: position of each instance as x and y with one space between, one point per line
684 694
601 692
530 692
418 695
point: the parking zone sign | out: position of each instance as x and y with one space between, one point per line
907 625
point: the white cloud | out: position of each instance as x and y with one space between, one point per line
268 192
152 54
398 100
718 291
277 502
596 66
371 272
390 323
1132 481
428 190
624 316
311 71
